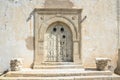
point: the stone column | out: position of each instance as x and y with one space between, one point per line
117 70
76 54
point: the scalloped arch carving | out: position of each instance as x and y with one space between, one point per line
43 28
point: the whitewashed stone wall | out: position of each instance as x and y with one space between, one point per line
99 29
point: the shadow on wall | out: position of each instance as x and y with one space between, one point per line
30 39
30 15
4 72
117 70
30 43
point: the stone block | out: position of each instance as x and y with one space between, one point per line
16 64
101 63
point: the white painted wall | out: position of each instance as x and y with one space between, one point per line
99 30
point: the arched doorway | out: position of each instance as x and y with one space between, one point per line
58 43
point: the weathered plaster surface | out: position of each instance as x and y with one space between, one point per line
16 31
58 4
99 30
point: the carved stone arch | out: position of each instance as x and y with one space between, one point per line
63 39
45 25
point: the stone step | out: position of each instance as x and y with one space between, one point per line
58 66
56 73
112 77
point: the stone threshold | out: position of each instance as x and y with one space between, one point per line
60 66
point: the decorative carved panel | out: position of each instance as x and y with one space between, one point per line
57 36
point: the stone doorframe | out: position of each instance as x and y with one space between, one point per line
43 18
